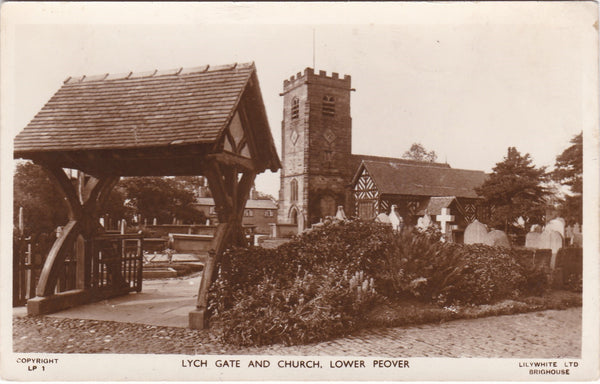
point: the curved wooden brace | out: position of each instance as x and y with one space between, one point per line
62 181
83 221
56 257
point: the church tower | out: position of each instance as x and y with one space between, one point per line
316 146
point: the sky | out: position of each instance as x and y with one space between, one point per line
467 80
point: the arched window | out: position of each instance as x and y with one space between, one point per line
295 108
328 105
294 190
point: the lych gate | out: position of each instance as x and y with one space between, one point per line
207 121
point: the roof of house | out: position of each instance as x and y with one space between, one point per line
147 109
435 204
250 203
400 178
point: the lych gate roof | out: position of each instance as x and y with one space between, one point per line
401 178
157 109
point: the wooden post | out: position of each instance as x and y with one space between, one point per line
230 194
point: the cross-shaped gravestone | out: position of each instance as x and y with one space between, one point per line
445 218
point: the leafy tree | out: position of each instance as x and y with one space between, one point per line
419 153
162 198
515 189
44 207
568 171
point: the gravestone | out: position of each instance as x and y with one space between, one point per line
497 238
383 218
577 239
340 214
553 240
445 219
557 225
536 228
424 222
475 233
532 240
395 219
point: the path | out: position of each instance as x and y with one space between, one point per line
547 334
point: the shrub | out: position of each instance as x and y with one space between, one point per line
307 309
320 284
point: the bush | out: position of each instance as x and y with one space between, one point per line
320 284
307 309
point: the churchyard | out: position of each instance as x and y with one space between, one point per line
372 242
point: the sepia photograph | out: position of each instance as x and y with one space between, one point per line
301 191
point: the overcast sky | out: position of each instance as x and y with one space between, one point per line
467 80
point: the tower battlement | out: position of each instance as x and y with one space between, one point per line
309 76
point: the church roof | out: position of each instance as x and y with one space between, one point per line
181 106
421 179
356 160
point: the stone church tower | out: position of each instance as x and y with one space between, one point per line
316 147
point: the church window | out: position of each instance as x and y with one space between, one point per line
294 190
268 213
295 108
248 213
328 105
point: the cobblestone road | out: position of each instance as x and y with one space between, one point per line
547 334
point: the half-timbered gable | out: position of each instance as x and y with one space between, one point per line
416 188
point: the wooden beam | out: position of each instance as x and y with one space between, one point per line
64 184
231 159
55 260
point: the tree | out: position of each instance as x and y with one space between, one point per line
568 171
44 207
419 153
163 198
515 189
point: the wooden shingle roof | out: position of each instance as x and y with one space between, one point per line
401 178
134 110
149 123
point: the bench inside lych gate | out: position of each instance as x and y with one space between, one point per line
208 121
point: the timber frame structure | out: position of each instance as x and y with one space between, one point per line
208 121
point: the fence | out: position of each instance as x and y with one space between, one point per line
116 266
117 262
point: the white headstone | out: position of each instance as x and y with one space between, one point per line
557 225
553 240
532 240
475 233
383 218
424 222
445 219
497 238
340 214
395 219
